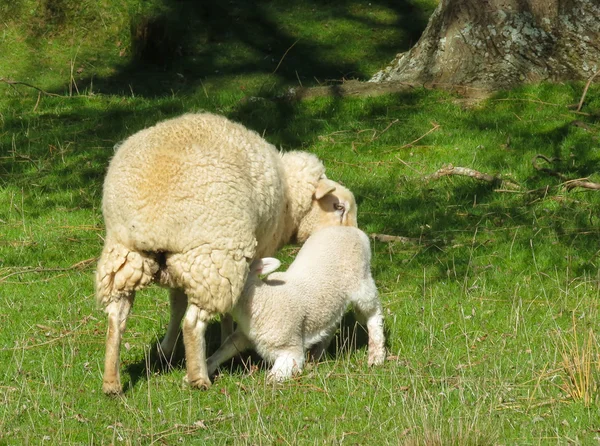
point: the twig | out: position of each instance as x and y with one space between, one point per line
585 90
53 340
545 169
79 265
465 171
283 57
395 238
38 101
373 138
407 165
432 129
11 82
185 429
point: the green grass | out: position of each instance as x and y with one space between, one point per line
487 311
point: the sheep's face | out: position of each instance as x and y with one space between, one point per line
332 205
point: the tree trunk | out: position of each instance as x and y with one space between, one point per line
495 44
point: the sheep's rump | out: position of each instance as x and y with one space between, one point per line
185 204
196 180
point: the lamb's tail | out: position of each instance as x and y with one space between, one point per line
121 271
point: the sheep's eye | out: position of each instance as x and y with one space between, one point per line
338 207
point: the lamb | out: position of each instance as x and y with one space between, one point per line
188 204
289 312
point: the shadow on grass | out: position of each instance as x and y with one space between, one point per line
177 43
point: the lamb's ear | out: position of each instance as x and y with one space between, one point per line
324 187
264 266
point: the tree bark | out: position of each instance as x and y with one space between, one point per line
496 44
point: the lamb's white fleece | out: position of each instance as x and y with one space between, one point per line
289 312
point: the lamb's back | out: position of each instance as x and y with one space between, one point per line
313 294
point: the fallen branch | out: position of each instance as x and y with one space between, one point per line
585 90
395 238
13 83
583 183
495 180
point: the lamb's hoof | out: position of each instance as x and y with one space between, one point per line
376 357
112 388
198 383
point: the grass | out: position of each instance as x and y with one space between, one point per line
491 312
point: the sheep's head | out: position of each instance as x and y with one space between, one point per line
332 205
314 201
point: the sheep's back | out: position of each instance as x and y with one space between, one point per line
193 180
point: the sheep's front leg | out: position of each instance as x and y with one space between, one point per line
233 345
195 323
179 301
117 311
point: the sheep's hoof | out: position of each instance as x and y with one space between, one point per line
198 383
112 388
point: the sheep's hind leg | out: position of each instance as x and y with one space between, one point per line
179 301
117 310
288 363
195 323
233 345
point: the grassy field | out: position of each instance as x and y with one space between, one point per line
490 290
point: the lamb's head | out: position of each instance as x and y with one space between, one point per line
314 200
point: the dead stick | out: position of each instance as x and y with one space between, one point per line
587 85
283 57
11 82
51 341
545 169
373 138
394 238
78 265
583 183
467 172
434 128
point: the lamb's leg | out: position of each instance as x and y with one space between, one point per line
234 344
226 327
319 350
117 310
369 307
195 323
288 363
179 301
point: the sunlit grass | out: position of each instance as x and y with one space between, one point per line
490 300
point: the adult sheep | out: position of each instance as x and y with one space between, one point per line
189 203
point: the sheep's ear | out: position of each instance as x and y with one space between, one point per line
264 266
324 187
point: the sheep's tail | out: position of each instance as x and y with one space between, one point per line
122 271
